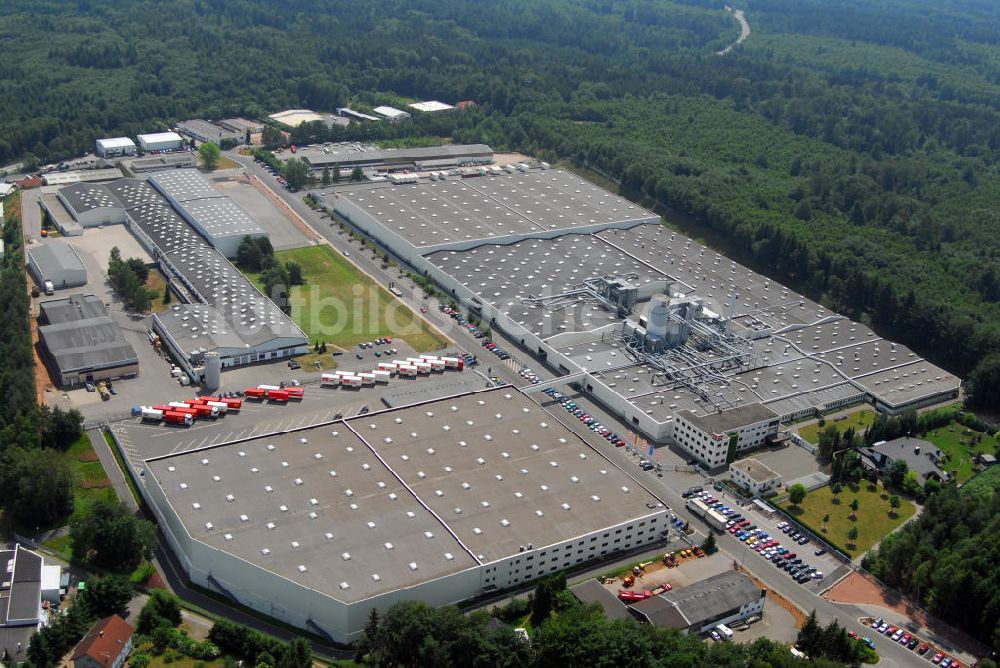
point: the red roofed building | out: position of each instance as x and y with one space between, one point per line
107 645
466 104
29 182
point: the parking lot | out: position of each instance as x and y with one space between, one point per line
141 440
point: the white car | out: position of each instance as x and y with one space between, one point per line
715 635
818 575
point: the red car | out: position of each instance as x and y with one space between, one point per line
937 658
852 634
923 649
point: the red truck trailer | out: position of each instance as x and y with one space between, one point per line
277 395
295 392
176 417
255 393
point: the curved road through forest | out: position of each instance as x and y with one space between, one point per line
744 31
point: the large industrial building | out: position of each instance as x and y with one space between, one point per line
56 261
436 157
215 216
189 228
644 320
438 501
203 130
81 343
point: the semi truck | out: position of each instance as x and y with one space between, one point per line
714 519
388 367
295 392
151 414
407 370
351 381
367 379
255 393
453 363
176 417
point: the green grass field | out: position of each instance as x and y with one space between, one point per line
956 441
342 306
90 485
873 522
859 419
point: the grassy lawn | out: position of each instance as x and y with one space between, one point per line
957 441
182 662
91 485
156 282
123 466
342 306
859 419
873 521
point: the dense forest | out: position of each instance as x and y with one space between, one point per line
848 148
946 558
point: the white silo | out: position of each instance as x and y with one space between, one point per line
659 316
213 371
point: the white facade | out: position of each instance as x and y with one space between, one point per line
754 476
711 447
114 146
313 610
161 141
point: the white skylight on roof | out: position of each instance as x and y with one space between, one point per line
265 551
270 525
413 565
196 505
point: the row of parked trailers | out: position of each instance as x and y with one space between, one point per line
187 411
408 368
274 393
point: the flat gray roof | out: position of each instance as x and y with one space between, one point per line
201 127
506 275
316 157
409 494
55 255
87 196
733 418
91 343
23 570
430 213
183 185
713 596
592 591
76 307
757 470
216 215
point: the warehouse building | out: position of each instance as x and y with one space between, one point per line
431 106
205 131
755 476
391 114
159 163
81 176
400 158
114 147
698 608
438 501
215 216
81 342
160 141
572 274
356 115
91 204
227 313
55 260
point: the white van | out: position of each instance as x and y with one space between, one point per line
724 631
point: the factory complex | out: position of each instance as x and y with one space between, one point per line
685 345
438 501
190 229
